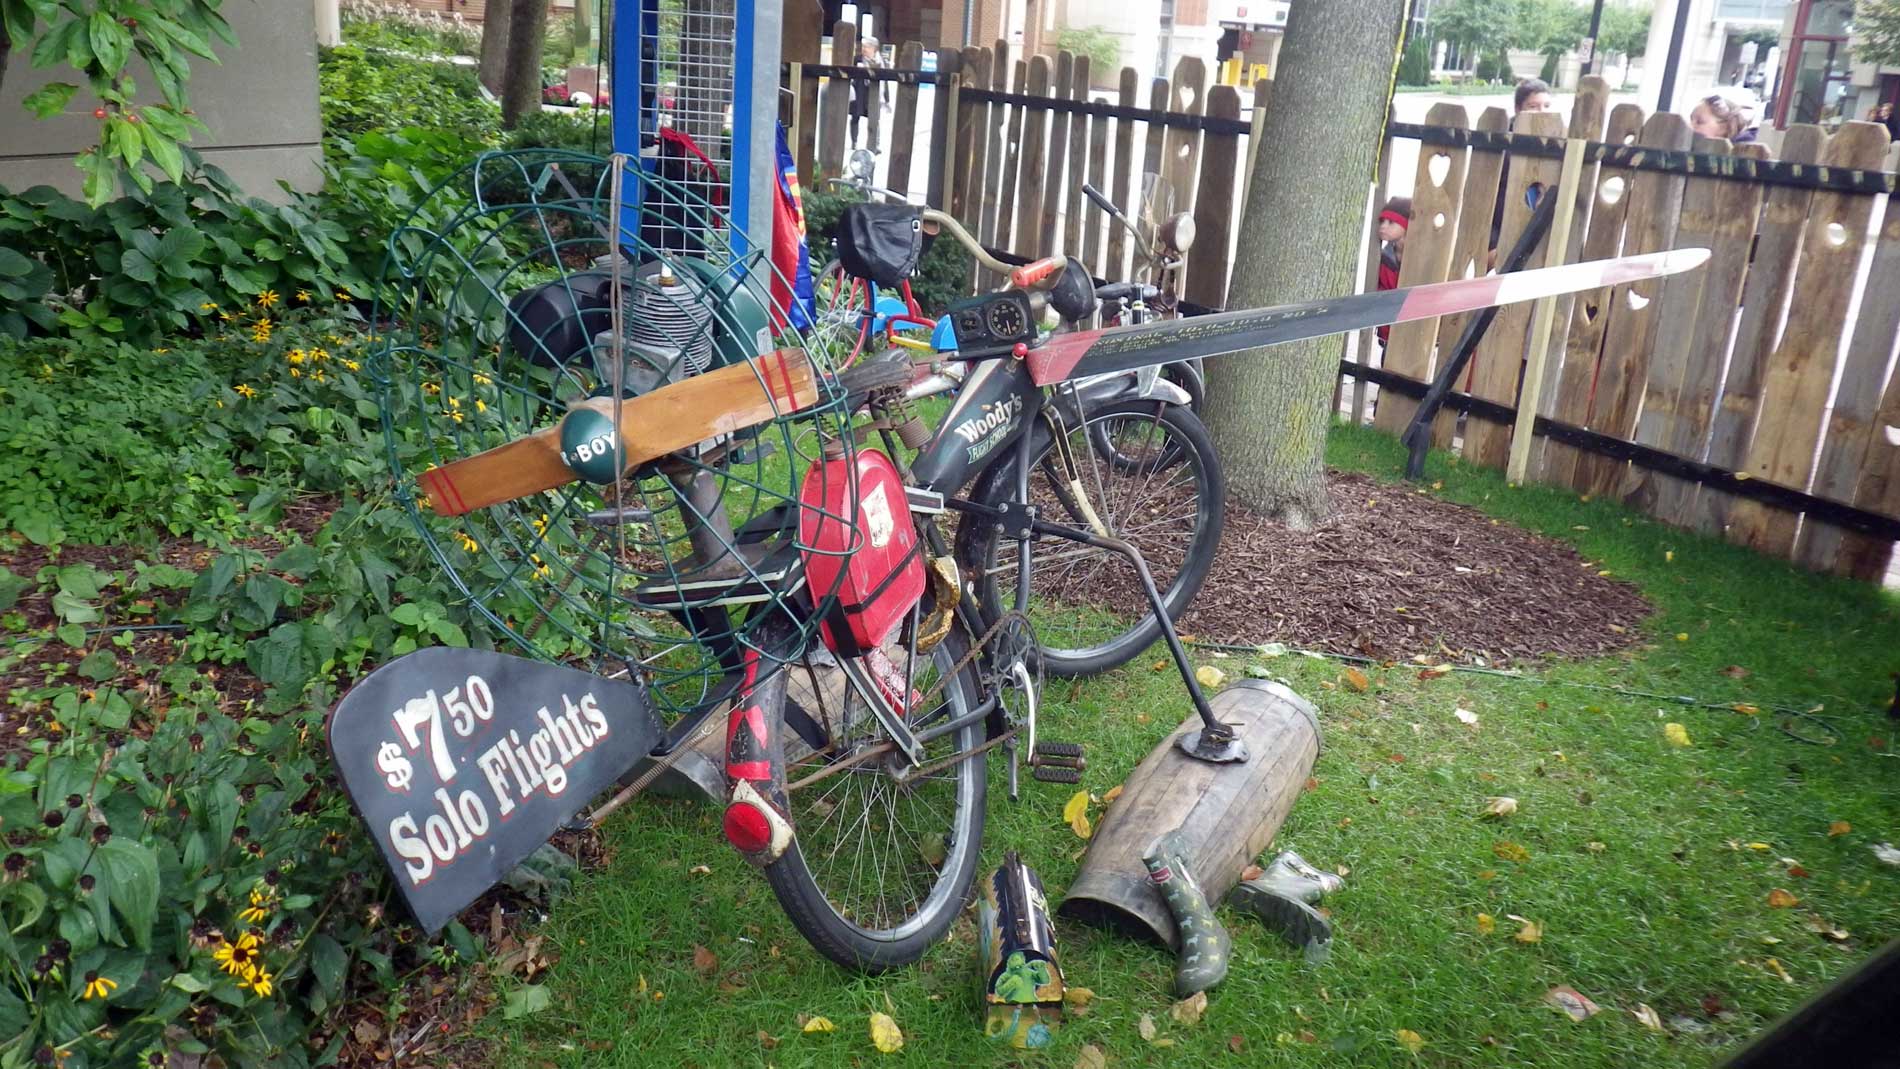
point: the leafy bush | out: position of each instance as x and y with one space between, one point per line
1415 66
1548 73
360 91
401 28
1103 48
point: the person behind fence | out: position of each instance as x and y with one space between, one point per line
1728 112
1532 94
1394 219
867 95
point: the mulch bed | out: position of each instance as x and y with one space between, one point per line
1395 572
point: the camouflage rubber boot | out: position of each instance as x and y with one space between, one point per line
1291 875
1201 957
1282 898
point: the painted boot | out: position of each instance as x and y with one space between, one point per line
1283 897
1201 958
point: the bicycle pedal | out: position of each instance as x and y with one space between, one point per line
1056 774
1058 754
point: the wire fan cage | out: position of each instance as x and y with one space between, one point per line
508 303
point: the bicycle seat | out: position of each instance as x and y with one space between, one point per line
1126 291
881 242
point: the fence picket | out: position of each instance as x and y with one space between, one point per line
1655 206
1587 112
1213 254
1429 243
1851 428
844 52
1483 171
1590 315
1029 189
1124 174
1049 235
1878 488
995 167
1069 223
910 57
1799 373
1008 188
1183 146
1499 360
1093 219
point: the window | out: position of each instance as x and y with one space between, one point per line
1815 84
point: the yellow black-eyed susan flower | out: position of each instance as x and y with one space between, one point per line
239 958
267 299
98 986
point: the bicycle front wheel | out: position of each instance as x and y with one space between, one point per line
1148 472
885 852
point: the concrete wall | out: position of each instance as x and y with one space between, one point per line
260 105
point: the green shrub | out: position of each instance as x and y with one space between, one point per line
1103 48
404 29
1548 73
360 91
1415 65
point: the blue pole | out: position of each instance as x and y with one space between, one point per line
743 165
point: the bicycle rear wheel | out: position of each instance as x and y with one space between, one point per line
881 864
1149 472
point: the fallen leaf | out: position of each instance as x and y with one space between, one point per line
1759 846
1676 734
818 1024
1397 758
1669 556
1780 899
884 1034
1839 828
1273 649
1769 940
1798 872
767 1040
1510 851
1077 999
1529 931
700 870
1735 671
1145 1025
1188 1011
1357 680
705 962
1499 807
1595 847
1252 872
1573 1002
1775 965
1090 1057
526 999
1682 636
1648 1017
1487 874
1236 1044
1209 676
1466 717
1410 1040
1312 783
1745 709
1819 926
640 989
1076 814
1486 924
1113 793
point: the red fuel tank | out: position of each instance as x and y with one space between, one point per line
858 539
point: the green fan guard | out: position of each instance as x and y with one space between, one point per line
578 575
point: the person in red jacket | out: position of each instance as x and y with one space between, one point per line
1394 218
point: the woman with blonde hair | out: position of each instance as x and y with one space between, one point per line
1724 115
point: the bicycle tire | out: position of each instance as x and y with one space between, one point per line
875 948
1187 448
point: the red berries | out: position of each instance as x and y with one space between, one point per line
99 113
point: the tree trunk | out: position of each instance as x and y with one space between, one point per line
494 58
1268 409
6 52
527 33
583 30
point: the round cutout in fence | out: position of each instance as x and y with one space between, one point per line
1836 235
1439 168
1184 150
1438 221
1636 300
1612 189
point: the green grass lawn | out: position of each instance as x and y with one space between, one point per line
1638 857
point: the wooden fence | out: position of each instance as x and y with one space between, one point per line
1735 365
1005 145
1772 362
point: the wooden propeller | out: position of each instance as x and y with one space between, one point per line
650 426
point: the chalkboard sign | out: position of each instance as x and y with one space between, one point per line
463 762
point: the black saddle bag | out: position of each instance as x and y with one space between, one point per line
881 242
